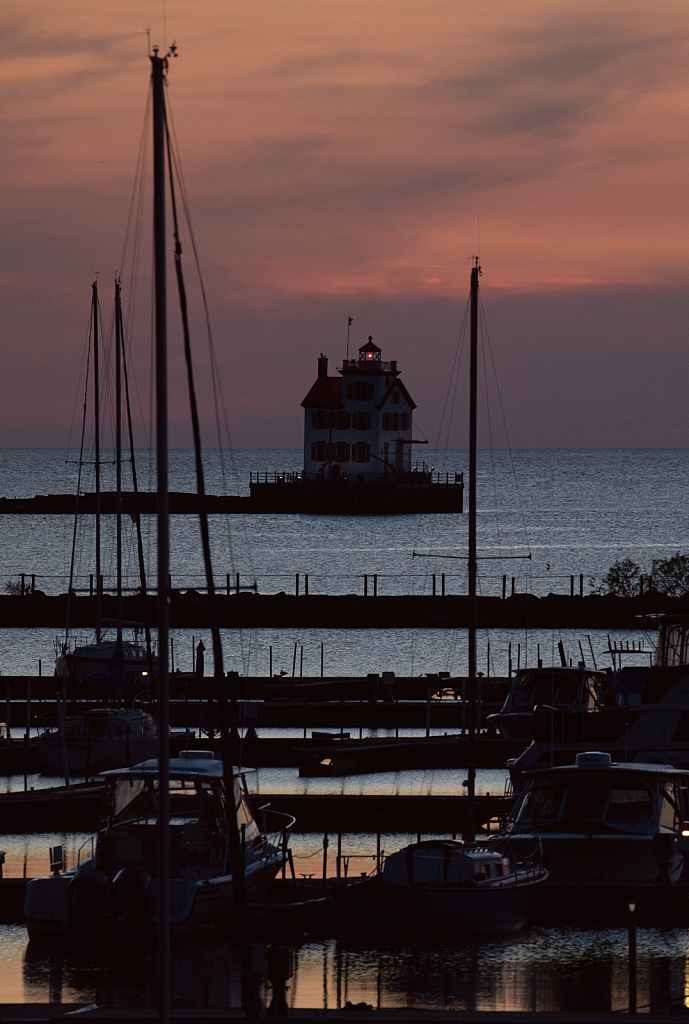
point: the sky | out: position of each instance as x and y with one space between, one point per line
347 159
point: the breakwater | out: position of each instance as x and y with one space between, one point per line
189 609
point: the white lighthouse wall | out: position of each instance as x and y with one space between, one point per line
359 430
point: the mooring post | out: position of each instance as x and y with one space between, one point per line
509 661
571 586
504 587
296 586
378 846
442 585
237 582
513 586
301 663
375 585
306 585
322 660
632 957
228 584
434 585
28 710
7 713
581 584
338 871
365 586
325 859
270 673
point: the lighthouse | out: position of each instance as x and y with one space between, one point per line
358 425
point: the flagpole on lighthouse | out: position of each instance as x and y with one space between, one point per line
350 321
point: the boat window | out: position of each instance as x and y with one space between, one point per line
669 806
586 799
125 792
244 816
553 690
629 804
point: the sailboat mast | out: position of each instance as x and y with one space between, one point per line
159 65
118 450
470 831
96 389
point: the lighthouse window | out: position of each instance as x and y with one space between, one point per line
361 420
361 452
405 420
342 451
395 398
360 391
343 420
322 419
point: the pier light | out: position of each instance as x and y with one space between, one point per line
632 906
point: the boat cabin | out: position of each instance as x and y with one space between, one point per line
199 830
595 796
445 862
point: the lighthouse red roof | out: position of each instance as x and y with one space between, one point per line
326 393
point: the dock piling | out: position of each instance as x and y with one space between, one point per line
7 714
325 859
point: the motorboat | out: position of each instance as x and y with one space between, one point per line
100 738
605 829
448 884
113 888
553 689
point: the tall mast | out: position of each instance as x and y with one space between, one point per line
118 450
97 460
159 66
470 830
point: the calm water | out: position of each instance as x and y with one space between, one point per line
574 512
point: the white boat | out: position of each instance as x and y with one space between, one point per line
101 738
554 689
451 885
113 888
604 827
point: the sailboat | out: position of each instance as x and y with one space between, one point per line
235 842
463 886
110 662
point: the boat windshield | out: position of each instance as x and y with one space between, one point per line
570 801
557 689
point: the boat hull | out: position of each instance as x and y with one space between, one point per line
463 910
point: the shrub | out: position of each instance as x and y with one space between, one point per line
671 575
621 580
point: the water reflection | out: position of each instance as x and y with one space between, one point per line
538 970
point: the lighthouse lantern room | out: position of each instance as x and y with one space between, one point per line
358 425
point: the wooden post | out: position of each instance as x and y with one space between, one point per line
296 585
434 585
172 654
504 587
7 713
513 586
301 663
571 586
365 586
91 585
339 853
509 661
378 847
581 584
237 582
228 584
442 585
375 585
322 645
306 585
325 858
271 661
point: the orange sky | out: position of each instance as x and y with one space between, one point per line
337 158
